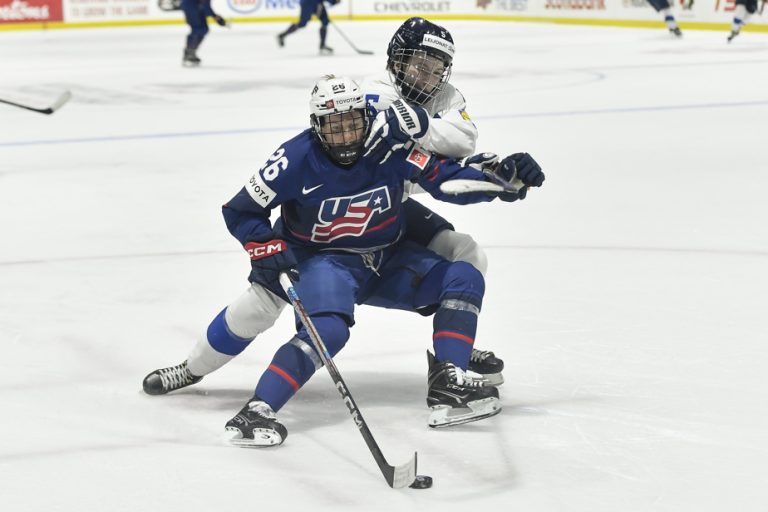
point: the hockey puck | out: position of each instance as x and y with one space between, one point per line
421 482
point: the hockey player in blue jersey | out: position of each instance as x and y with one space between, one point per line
339 231
412 55
309 8
196 13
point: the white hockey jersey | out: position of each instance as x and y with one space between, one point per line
451 132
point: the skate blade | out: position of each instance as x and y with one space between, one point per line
492 379
446 416
262 437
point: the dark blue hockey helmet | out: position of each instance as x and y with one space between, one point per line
420 59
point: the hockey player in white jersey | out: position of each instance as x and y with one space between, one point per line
419 64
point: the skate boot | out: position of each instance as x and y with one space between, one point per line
326 50
255 425
161 381
457 398
487 365
734 33
675 31
280 40
190 59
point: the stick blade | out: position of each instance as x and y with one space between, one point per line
404 475
455 187
65 97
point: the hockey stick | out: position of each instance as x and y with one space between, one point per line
396 476
65 96
455 187
320 8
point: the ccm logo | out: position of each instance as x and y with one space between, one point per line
258 251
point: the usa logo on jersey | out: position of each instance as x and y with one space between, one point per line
349 216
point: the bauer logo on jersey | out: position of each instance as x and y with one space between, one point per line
349 216
439 43
259 190
418 158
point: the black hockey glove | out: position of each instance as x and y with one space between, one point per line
488 164
269 259
393 129
523 167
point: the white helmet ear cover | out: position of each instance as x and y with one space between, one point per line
332 95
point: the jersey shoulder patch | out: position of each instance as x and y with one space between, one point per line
419 158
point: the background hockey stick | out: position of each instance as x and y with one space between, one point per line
321 8
60 101
396 476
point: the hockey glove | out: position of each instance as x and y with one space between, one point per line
219 20
488 164
269 259
393 129
483 162
523 167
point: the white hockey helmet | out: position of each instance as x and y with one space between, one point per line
339 118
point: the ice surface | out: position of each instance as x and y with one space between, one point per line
628 296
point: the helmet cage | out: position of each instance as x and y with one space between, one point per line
339 118
342 134
419 74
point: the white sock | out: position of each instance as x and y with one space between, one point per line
204 359
740 16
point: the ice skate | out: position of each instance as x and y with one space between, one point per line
455 397
675 31
190 60
255 426
485 363
734 33
281 40
326 50
164 380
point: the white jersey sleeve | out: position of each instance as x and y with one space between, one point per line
451 132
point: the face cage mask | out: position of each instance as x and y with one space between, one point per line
418 75
337 134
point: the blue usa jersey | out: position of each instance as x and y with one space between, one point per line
325 206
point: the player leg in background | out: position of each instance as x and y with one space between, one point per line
308 8
322 14
198 25
327 288
233 329
416 279
428 229
663 7
744 10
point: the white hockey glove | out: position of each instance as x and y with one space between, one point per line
394 129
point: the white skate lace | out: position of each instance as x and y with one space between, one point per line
262 409
466 379
176 376
479 356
